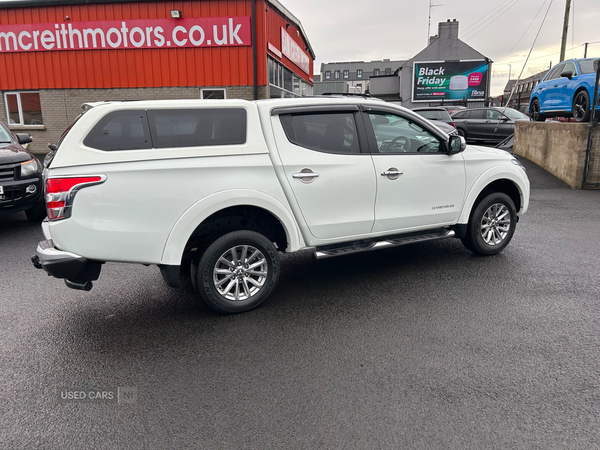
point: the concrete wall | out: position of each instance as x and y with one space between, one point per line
559 148
61 106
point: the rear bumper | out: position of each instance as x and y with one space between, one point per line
61 264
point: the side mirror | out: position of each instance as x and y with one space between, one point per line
567 74
456 144
23 138
505 119
52 147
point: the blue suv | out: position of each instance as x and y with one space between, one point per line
565 91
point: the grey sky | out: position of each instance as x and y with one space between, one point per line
359 30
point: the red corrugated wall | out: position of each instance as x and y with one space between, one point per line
225 66
274 22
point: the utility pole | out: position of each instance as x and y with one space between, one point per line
585 50
563 44
431 5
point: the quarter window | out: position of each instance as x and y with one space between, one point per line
395 134
197 127
120 130
23 108
327 132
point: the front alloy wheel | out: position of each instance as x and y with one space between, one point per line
581 107
495 224
491 225
236 272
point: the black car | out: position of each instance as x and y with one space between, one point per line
486 124
21 186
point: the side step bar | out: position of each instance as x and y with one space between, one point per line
359 247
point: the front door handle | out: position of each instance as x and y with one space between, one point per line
392 173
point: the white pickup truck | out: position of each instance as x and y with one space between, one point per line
221 186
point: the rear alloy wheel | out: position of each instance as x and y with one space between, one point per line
462 133
534 111
581 107
237 271
492 225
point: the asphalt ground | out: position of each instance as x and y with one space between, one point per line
424 346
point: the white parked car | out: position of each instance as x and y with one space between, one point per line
224 185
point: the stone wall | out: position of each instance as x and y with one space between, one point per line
560 148
61 106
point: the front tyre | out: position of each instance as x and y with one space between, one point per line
492 225
534 111
237 271
581 107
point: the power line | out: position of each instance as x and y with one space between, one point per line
529 54
494 18
523 35
548 54
483 17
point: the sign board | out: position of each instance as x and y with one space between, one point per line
126 34
456 80
293 52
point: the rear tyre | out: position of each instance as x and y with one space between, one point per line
462 133
534 111
236 272
492 225
581 107
37 212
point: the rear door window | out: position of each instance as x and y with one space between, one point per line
197 127
120 130
327 132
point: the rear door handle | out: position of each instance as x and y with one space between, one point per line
387 173
305 175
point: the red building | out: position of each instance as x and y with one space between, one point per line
59 54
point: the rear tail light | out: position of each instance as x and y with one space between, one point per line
452 123
60 193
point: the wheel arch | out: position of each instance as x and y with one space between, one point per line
234 209
502 182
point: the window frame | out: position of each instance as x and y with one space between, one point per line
328 74
285 115
213 89
20 110
375 72
336 75
103 121
346 74
420 121
359 73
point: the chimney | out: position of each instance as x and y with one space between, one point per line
448 30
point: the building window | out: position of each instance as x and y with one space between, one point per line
359 73
328 74
376 72
388 71
212 94
23 108
336 75
346 73
283 83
